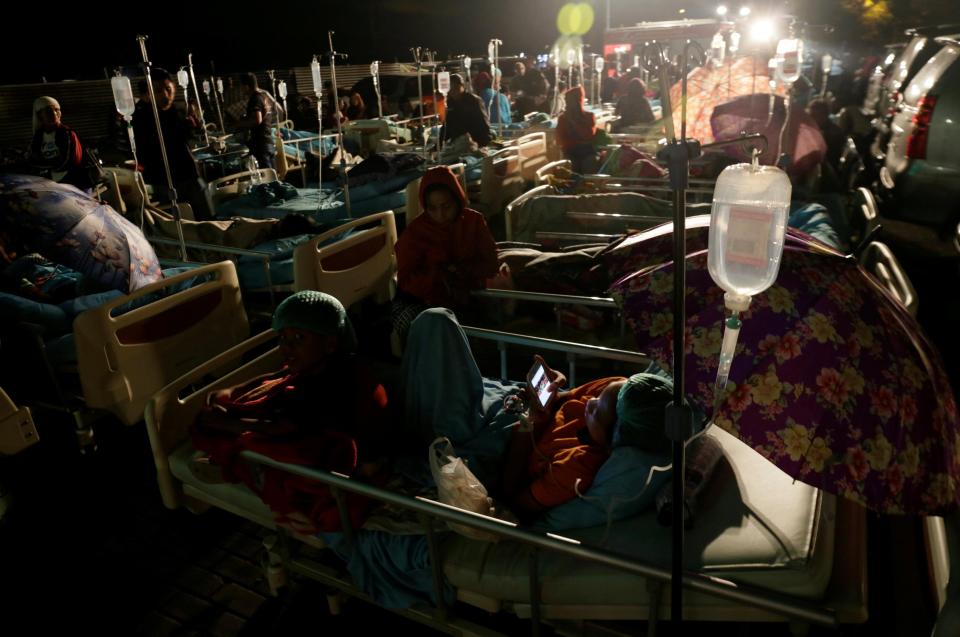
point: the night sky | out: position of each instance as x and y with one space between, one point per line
81 40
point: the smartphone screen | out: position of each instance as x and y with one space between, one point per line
540 382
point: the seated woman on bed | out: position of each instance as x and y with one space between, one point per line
443 254
324 396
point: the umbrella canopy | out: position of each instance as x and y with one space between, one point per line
833 381
709 86
767 114
75 230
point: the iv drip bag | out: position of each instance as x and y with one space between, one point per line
183 79
123 95
317 79
747 226
443 82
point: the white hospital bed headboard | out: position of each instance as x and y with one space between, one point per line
123 360
358 265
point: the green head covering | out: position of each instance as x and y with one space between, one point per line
319 313
641 405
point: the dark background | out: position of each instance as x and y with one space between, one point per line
81 40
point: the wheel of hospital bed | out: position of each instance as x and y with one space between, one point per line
17 431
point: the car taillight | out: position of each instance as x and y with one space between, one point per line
917 142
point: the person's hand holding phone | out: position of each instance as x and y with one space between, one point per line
542 385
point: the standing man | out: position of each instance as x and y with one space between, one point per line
259 119
529 88
465 114
177 130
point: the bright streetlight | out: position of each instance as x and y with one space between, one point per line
744 12
722 10
762 30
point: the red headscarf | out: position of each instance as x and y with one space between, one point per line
426 250
481 81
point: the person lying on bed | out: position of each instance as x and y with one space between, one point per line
443 254
557 450
322 396
537 468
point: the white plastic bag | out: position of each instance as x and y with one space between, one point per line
458 487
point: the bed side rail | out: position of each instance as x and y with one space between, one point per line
780 604
509 212
172 409
572 350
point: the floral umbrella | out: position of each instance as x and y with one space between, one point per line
709 86
833 381
71 228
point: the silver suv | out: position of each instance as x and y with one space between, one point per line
922 166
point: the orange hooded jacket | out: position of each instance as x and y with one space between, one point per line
428 251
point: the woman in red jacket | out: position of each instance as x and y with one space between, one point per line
443 254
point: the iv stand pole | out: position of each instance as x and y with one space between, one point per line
679 416
175 208
196 94
336 99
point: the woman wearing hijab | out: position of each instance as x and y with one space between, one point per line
444 253
576 129
56 147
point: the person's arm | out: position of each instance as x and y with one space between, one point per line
414 272
483 262
253 117
73 153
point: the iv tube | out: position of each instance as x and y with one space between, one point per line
318 91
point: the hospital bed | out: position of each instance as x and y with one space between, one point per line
533 153
120 351
699 190
800 551
232 186
541 213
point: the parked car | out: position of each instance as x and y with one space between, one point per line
915 55
921 172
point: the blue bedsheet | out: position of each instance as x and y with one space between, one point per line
325 207
299 150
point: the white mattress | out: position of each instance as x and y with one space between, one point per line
754 525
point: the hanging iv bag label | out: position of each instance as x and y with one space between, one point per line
791 63
748 235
